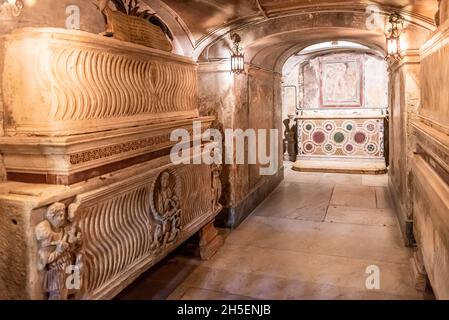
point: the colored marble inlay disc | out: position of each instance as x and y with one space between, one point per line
329 126
371 148
349 148
309 147
309 127
360 138
319 137
339 137
329 148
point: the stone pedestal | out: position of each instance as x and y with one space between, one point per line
210 241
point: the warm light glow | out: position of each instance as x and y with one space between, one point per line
393 46
237 56
393 30
332 45
12 2
237 63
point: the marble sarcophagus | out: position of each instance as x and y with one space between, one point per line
92 198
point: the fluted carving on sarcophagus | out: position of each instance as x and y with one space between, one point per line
91 84
81 83
60 257
127 227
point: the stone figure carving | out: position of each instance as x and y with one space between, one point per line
341 83
59 243
166 209
290 139
216 186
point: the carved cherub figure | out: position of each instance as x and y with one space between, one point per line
167 201
168 211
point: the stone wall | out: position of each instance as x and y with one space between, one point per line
430 164
374 79
405 103
419 154
248 101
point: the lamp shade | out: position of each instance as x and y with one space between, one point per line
237 63
393 46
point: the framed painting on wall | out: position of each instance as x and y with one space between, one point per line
341 83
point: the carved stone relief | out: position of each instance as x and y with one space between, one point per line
86 83
165 206
59 250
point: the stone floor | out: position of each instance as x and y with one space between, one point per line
313 238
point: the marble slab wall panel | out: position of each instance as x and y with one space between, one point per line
431 221
434 72
405 101
74 82
251 100
113 229
430 166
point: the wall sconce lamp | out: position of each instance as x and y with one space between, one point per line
393 31
14 7
237 56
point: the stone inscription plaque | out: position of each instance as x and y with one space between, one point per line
136 30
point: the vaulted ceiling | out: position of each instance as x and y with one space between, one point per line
206 16
274 30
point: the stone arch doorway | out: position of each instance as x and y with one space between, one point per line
253 99
338 118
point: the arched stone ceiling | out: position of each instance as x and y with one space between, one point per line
207 19
272 52
270 43
273 30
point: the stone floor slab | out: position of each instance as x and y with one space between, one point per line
344 240
341 179
383 198
297 201
267 273
375 180
361 216
360 197
278 288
